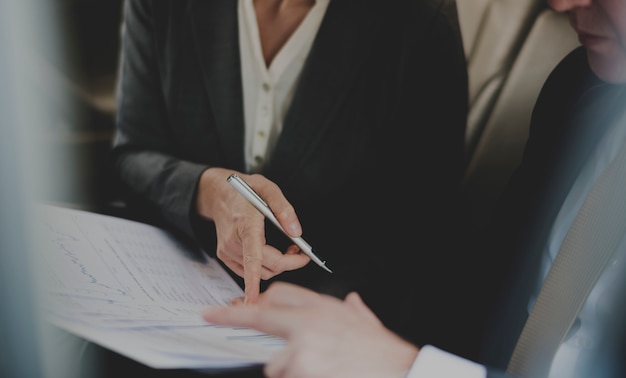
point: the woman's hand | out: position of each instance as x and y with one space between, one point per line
240 228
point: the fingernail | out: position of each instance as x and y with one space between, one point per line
237 301
294 230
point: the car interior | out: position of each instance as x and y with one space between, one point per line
511 46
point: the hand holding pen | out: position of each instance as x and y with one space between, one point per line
240 228
258 202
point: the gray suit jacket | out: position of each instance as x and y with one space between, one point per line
381 102
573 112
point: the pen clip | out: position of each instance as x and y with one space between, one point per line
247 187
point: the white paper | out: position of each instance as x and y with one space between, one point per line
139 290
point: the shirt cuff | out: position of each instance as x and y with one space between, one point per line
432 362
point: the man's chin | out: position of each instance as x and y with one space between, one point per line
608 64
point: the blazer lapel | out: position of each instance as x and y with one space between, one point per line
331 68
334 62
216 39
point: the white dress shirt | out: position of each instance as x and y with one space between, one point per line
268 91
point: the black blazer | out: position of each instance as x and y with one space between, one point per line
381 103
572 113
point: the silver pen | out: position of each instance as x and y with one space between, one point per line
245 190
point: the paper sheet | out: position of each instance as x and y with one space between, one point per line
139 290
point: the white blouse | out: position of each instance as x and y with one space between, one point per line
268 91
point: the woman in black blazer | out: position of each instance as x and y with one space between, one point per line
577 132
370 155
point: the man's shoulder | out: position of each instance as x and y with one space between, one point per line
570 77
573 65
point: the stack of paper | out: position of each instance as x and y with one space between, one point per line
138 290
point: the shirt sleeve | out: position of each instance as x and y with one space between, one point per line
433 362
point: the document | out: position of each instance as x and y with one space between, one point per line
139 290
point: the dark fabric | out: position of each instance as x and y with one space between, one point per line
572 113
371 153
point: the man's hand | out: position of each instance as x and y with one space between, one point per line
240 228
326 337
